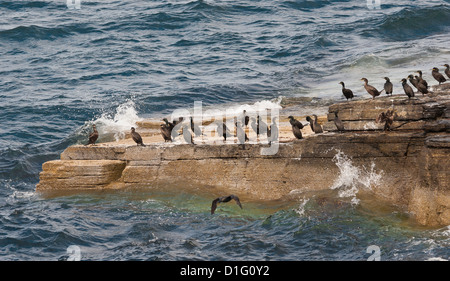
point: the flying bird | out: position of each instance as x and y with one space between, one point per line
224 199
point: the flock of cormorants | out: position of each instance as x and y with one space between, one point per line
272 131
416 80
260 126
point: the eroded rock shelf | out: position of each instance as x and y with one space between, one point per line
413 159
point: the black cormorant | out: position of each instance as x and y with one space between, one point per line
315 126
222 129
387 118
296 127
195 128
413 81
188 138
421 80
408 90
388 87
93 136
439 77
421 87
240 133
272 131
136 137
370 89
447 70
338 123
347 92
255 126
166 133
224 199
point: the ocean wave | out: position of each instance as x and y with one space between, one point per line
22 33
18 5
411 23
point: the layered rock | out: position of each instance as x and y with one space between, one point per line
412 160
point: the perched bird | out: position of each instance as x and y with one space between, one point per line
439 77
338 123
388 118
224 199
421 87
296 127
259 126
421 80
240 133
255 126
93 136
195 128
370 89
175 122
447 70
317 128
413 81
388 87
272 131
169 125
136 137
188 138
246 118
222 130
408 90
348 94
262 126
166 133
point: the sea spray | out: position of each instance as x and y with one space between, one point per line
352 178
301 207
124 118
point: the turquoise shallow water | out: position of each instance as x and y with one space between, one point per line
113 63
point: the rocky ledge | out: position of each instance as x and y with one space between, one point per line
413 159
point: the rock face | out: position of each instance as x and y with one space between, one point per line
410 164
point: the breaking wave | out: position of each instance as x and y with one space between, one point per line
352 178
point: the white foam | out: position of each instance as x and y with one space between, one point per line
352 178
123 119
251 109
301 208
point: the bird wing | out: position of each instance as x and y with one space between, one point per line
214 205
298 124
137 138
93 136
166 133
237 200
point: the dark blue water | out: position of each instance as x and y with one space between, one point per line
115 62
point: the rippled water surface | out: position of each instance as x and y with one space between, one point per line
116 62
